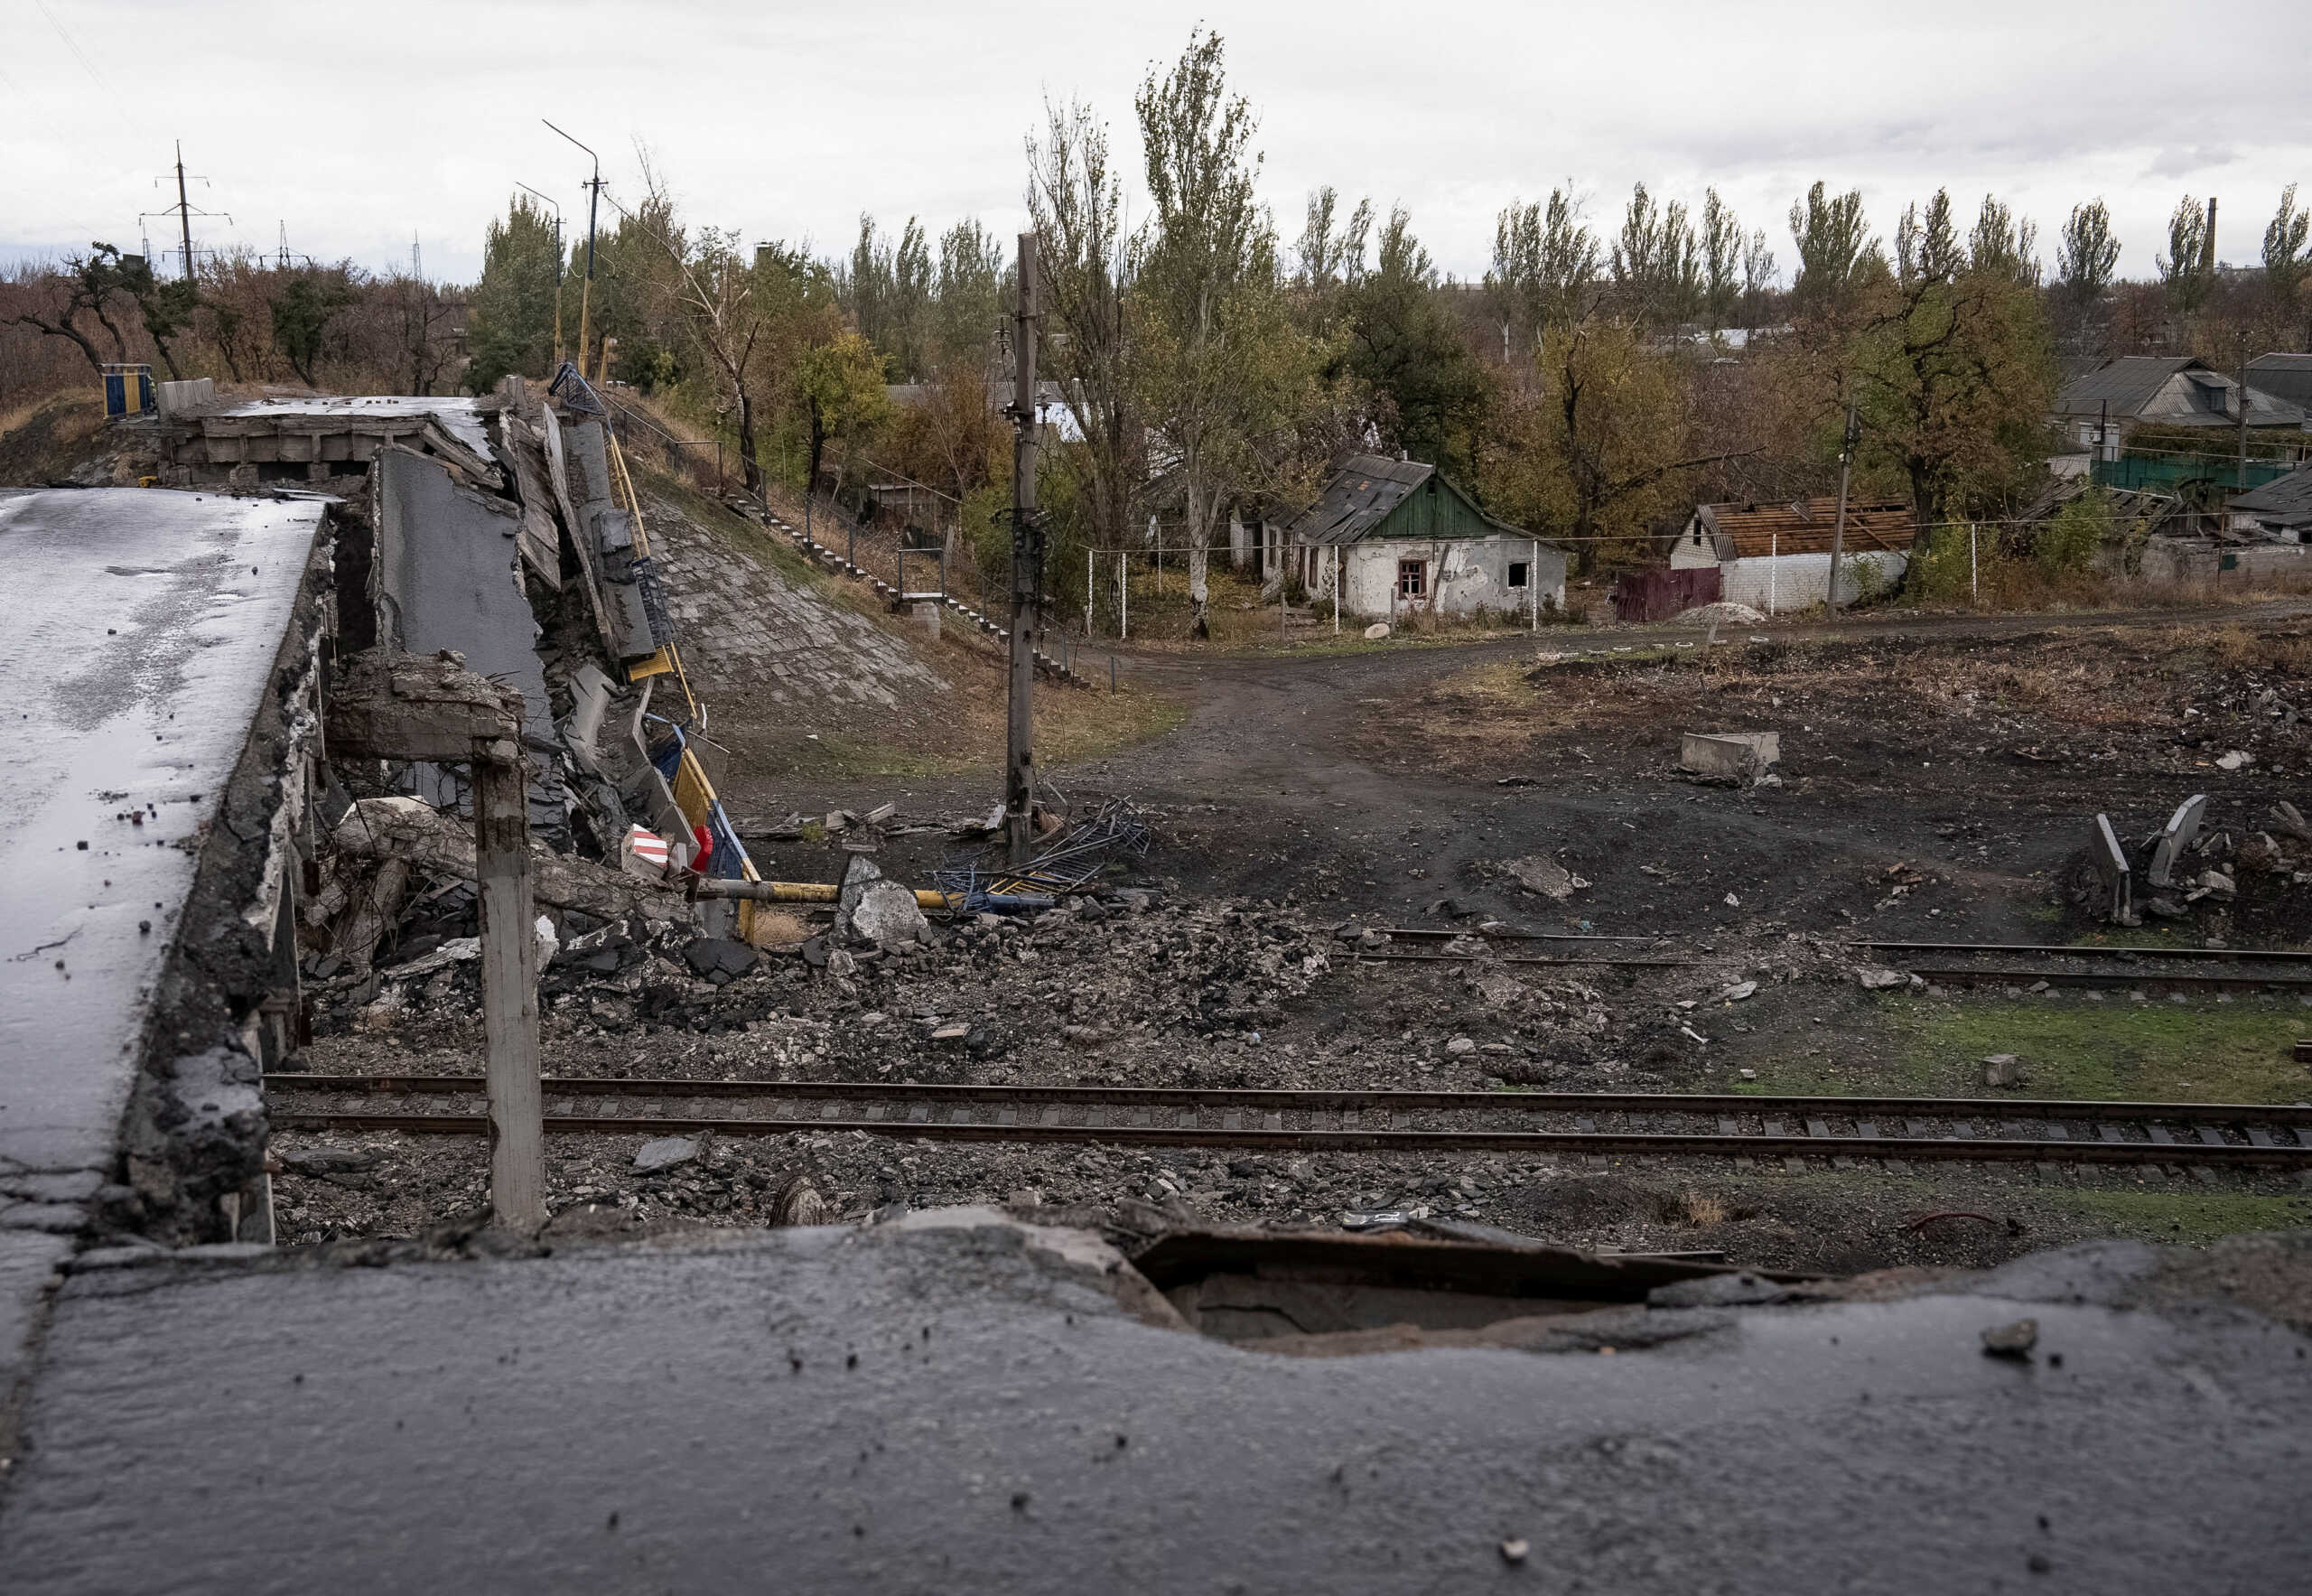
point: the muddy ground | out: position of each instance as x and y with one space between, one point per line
1938 781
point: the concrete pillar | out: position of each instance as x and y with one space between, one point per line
509 986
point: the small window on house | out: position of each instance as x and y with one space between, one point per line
1516 573
1412 578
1697 534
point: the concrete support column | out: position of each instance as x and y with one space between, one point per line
509 986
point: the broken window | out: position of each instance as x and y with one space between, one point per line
1412 578
1516 573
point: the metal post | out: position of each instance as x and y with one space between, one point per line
593 186
1123 597
1533 587
1774 569
510 985
184 212
2242 477
1974 580
1838 531
1335 589
1087 593
1026 571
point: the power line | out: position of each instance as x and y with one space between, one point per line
85 64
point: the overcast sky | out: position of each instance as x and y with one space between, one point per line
360 128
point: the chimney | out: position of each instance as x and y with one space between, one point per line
2207 241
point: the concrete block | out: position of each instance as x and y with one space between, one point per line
927 616
2182 829
177 397
2111 866
1729 753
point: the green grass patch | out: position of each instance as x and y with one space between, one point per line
2157 1213
2153 1051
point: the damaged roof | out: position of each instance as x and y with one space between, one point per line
2153 511
1745 531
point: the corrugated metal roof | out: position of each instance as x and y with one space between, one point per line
2127 383
2284 377
2285 501
2133 385
1358 498
1806 527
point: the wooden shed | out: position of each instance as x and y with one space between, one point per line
1777 556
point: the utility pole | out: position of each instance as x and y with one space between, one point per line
184 213
2242 477
1026 571
558 262
183 208
1838 529
593 187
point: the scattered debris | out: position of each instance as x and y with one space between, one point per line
2011 1340
664 1154
1538 872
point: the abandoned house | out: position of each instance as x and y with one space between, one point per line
1397 536
1777 556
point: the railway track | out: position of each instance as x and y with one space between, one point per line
2207 1136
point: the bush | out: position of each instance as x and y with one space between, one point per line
2068 540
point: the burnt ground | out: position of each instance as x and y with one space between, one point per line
1938 780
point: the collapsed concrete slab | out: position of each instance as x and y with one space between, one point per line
2183 829
155 799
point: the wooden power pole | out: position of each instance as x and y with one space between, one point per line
1026 571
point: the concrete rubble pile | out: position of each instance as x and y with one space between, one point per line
497 540
2248 874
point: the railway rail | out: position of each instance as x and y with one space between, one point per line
2200 1135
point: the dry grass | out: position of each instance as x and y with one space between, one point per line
776 928
1699 1208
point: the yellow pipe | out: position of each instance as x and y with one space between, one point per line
807 892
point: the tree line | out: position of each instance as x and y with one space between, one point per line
1600 374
